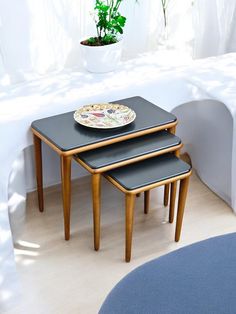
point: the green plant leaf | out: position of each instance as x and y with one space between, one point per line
109 22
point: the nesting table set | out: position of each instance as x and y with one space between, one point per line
136 158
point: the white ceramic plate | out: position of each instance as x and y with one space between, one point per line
104 116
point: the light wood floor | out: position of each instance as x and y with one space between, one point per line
61 277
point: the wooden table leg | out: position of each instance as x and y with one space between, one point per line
183 189
167 186
39 170
146 201
173 195
173 129
172 201
66 192
130 201
166 194
96 190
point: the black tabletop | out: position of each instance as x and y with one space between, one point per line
66 134
129 149
149 171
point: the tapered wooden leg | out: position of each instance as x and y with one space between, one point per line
183 189
146 201
173 129
66 192
167 186
172 201
166 194
96 189
129 200
39 171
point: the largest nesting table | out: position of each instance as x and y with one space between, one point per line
67 138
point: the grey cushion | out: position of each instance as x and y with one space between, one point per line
197 279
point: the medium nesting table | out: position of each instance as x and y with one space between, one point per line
118 155
67 138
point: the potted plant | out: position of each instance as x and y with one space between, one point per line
102 53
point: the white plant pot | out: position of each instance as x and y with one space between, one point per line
102 59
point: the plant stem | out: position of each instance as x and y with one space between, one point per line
97 31
111 9
118 3
164 9
165 18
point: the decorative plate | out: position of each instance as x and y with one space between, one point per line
104 116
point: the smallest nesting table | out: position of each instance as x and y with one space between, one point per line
145 176
67 138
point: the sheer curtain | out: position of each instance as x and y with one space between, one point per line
215 27
145 25
40 36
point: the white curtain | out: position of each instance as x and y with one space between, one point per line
40 36
145 25
215 27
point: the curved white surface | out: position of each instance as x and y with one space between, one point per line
206 129
159 78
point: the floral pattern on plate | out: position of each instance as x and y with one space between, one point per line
104 116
